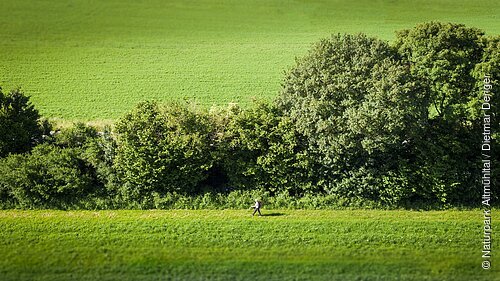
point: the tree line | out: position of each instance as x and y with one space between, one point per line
358 122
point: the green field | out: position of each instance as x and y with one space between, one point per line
232 245
94 60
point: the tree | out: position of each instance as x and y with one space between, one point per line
452 59
359 108
20 128
444 54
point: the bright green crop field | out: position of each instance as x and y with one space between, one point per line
94 60
233 245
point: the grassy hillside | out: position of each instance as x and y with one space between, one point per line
91 60
232 245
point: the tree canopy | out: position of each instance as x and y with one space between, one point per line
20 128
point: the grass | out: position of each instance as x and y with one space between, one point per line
94 60
232 245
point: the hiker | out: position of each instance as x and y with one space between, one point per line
256 207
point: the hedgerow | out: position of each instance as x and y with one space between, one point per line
359 123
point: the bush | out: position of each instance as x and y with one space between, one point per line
96 148
99 152
77 136
162 149
263 151
48 177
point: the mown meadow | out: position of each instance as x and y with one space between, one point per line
233 245
95 60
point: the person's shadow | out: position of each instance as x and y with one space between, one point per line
273 214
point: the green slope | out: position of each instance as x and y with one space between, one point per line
232 245
92 60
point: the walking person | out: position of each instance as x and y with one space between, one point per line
256 207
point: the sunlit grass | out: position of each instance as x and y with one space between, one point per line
93 60
233 245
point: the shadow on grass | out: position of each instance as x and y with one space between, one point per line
273 214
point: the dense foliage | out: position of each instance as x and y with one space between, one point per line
162 149
359 122
360 111
263 151
20 127
452 60
47 177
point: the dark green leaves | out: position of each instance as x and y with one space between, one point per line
19 123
